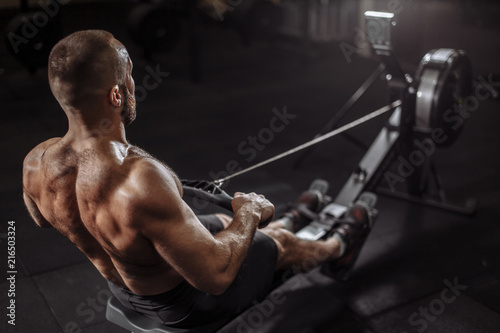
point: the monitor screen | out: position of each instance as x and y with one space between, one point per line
378 29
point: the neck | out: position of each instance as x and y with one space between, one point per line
106 126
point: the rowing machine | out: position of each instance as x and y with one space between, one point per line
429 117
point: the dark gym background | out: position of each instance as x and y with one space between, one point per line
226 75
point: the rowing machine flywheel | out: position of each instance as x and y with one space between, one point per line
444 85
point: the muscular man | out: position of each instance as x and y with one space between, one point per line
124 209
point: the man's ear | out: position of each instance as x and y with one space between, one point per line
115 97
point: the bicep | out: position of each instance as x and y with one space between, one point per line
181 239
157 211
209 263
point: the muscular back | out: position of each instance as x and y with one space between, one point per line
82 191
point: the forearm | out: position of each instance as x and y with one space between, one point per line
234 242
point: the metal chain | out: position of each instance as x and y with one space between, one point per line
317 140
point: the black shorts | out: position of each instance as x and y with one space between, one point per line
186 307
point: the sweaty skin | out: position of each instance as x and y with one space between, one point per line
123 208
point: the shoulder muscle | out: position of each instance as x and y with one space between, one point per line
148 190
32 162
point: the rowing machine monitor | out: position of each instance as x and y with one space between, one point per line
378 30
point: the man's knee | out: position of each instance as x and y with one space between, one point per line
285 237
284 240
225 219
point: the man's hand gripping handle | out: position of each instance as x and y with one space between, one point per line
210 192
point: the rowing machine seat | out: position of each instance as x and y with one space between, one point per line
130 320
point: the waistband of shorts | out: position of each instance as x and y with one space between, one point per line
173 294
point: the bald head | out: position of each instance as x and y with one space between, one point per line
86 65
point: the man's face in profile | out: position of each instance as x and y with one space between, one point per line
129 111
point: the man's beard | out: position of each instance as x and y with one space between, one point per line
129 109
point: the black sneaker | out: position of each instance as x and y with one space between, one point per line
306 208
353 229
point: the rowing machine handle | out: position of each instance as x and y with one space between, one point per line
210 192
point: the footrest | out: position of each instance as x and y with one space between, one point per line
317 229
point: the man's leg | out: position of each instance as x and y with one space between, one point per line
225 219
343 243
293 251
302 254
